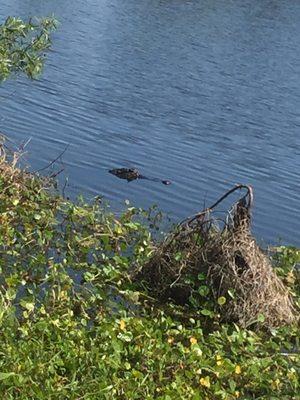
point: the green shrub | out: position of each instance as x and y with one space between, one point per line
23 46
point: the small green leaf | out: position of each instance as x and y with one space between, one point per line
127 365
201 277
27 305
232 385
206 312
261 318
203 290
221 300
178 256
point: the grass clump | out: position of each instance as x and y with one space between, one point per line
74 325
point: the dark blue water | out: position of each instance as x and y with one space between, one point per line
204 93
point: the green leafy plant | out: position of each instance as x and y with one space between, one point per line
23 45
73 325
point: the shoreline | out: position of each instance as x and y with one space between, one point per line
84 329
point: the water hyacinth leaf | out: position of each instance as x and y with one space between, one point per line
203 290
201 277
221 300
207 313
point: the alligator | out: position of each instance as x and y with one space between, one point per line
131 174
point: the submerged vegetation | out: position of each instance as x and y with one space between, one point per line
75 326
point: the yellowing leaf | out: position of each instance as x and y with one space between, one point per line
122 325
205 382
290 278
219 360
118 229
221 300
238 370
275 384
193 340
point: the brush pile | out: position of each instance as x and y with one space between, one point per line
226 253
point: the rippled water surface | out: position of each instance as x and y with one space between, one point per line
204 93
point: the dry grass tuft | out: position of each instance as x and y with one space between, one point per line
227 253
9 172
15 177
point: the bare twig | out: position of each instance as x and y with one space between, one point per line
229 192
53 161
55 174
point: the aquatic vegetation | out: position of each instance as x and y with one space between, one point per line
74 325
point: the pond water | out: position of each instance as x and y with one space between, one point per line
204 93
